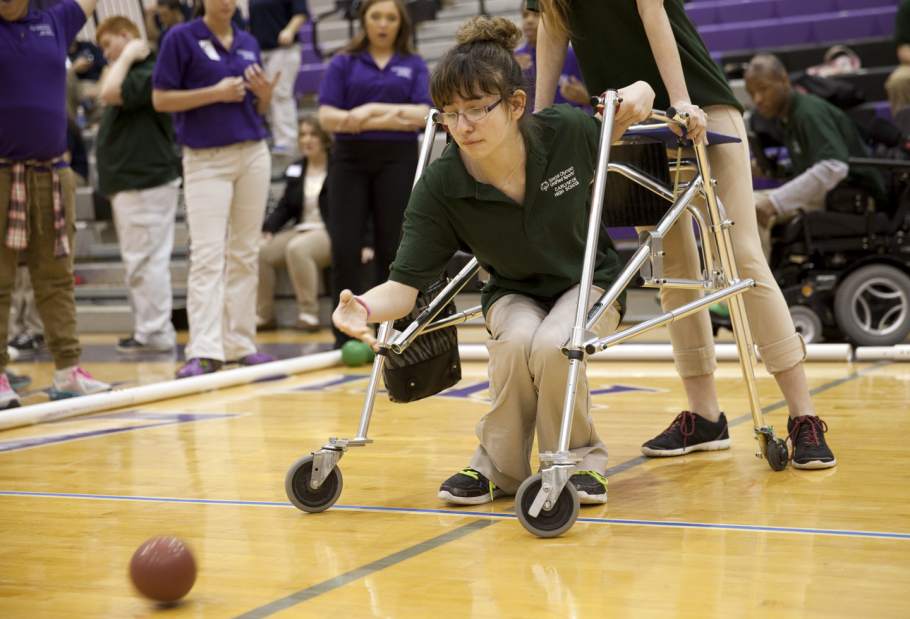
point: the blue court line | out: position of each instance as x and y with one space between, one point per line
673 524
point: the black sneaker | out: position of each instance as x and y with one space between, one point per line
810 451
689 432
591 487
26 343
468 487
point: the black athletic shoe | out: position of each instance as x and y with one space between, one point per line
810 451
689 432
591 487
26 343
468 487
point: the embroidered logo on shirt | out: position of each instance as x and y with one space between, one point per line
43 30
561 182
403 72
247 55
209 50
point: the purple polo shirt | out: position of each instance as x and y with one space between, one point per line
33 81
192 57
352 80
570 67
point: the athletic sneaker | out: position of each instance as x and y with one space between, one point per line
197 366
19 382
130 345
810 451
689 432
468 487
308 322
8 397
591 487
26 343
73 382
255 359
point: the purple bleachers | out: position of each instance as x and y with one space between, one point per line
710 12
730 12
807 7
311 64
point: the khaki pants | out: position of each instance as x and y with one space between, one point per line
769 319
283 107
52 278
527 386
225 190
304 255
23 313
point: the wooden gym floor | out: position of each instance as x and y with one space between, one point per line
706 535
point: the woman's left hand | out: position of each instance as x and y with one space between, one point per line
286 37
636 105
258 83
696 122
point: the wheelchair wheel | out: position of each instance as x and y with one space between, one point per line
777 455
297 486
872 305
807 323
548 523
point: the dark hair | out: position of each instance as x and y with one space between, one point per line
174 5
403 44
482 63
324 136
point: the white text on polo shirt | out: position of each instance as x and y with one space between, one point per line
561 182
247 54
404 72
43 30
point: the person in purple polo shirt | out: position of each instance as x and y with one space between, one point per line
37 190
374 96
209 75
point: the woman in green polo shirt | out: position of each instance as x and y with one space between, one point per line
653 40
513 190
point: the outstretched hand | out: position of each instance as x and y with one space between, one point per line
350 317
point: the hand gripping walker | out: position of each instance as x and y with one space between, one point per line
546 504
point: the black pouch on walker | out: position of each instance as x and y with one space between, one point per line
431 363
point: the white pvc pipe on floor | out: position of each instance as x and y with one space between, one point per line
899 352
664 352
131 396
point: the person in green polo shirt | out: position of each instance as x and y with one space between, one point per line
819 137
513 190
653 40
139 170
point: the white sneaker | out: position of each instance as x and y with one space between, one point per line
307 322
74 381
8 397
12 353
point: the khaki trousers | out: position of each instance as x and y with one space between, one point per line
772 328
304 255
528 375
52 278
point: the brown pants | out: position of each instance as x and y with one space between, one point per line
304 255
528 384
52 278
772 328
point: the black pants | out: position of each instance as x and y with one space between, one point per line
369 184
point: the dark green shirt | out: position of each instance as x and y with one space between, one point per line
609 40
815 130
902 24
536 248
135 143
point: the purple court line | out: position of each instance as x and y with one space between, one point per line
672 524
41 441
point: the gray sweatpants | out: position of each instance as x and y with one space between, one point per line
527 386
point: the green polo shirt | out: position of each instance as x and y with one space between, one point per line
902 24
815 130
534 249
135 143
612 48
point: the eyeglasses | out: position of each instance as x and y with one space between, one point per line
473 115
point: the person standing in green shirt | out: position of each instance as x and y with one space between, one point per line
514 190
139 170
654 40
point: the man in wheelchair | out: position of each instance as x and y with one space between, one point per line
835 233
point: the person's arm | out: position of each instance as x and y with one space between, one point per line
551 56
666 55
903 53
393 116
87 6
333 119
228 90
110 91
289 33
808 186
387 301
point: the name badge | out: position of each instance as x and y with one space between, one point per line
294 171
209 50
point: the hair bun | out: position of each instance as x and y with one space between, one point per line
481 29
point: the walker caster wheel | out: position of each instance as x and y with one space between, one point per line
548 523
297 486
776 454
